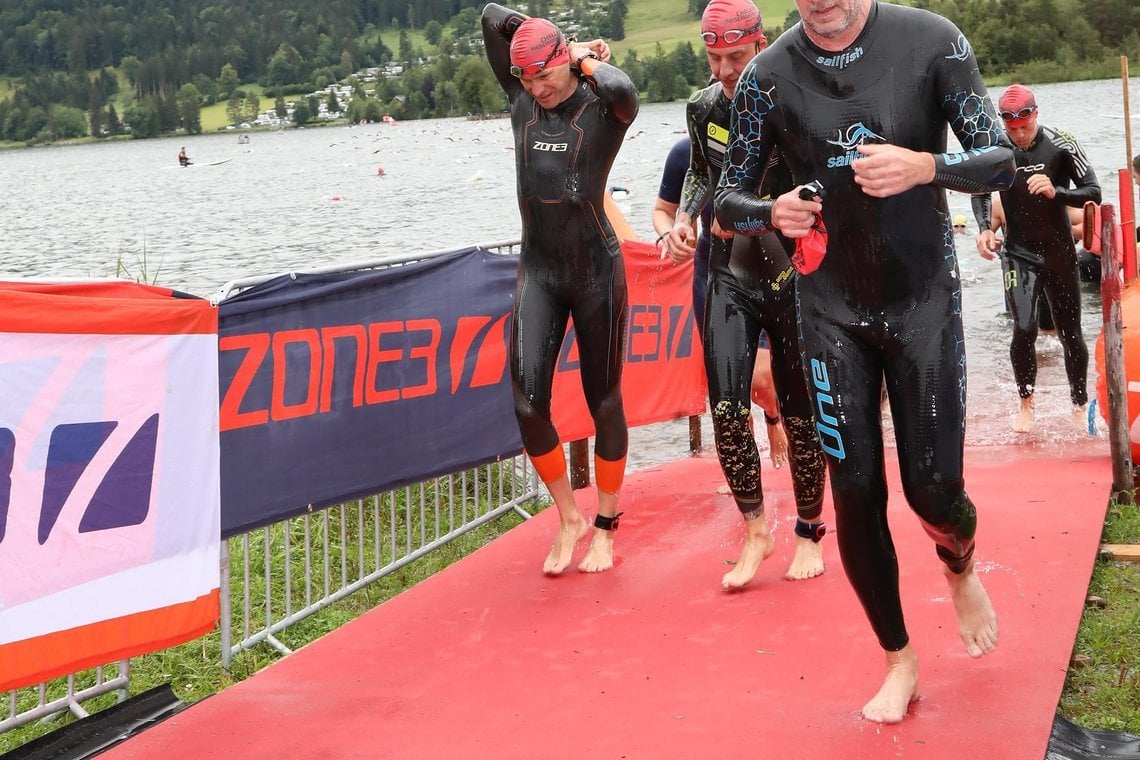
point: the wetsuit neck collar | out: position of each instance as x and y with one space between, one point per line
572 99
861 41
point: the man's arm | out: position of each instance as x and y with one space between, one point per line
696 189
1087 188
612 85
499 25
738 206
986 163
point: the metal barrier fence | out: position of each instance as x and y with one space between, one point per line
64 694
275 576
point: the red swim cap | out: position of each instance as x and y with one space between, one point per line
536 45
1017 104
726 23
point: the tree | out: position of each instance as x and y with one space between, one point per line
233 107
64 122
301 114
433 32
345 68
252 106
405 47
687 64
142 117
280 108
114 126
190 108
617 21
332 104
228 81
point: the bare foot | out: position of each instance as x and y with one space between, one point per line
777 444
600 556
807 562
758 544
563 549
1024 421
1081 418
899 688
977 621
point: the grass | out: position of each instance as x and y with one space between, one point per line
1102 688
669 22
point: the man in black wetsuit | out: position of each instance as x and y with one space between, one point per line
664 216
1040 257
857 97
750 288
570 110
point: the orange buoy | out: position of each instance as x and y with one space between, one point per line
380 171
1130 319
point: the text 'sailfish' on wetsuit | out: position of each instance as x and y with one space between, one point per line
1041 256
571 262
886 300
751 287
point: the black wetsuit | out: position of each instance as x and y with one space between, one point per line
672 181
1040 255
571 263
886 301
751 287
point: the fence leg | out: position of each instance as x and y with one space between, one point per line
695 434
579 464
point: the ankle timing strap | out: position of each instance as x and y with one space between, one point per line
608 523
771 420
815 531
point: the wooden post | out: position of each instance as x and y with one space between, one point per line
579 464
1117 383
1127 208
695 434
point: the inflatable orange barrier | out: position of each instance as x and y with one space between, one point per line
618 220
1130 318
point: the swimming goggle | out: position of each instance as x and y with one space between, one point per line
1024 113
534 68
730 36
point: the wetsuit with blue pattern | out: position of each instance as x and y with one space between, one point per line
751 287
1040 256
571 263
886 301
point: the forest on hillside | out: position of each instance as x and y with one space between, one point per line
66 60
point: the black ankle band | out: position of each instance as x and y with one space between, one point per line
771 420
815 531
607 523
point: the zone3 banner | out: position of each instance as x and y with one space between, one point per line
109 479
338 386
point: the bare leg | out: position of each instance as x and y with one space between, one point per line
1024 421
572 527
600 555
808 560
899 688
777 443
758 544
1081 417
764 396
977 621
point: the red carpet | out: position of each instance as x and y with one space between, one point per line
653 660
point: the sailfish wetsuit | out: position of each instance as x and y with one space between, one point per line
886 299
1040 255
751 287
571 263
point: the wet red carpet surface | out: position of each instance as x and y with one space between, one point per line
653 660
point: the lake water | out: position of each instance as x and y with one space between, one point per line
312 197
